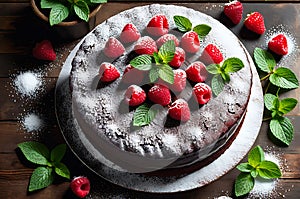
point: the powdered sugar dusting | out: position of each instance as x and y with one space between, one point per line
28 83
33 122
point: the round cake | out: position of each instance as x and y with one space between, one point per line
164 143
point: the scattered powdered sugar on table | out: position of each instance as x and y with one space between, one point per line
33 122
28 83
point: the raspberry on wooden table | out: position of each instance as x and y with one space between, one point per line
44 51
158 25
80 186
279 44
234 11
108 72
255 22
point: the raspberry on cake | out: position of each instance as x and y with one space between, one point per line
134 95
132 75
202 93
160 41
108 72
130 33
196 72
145 45
158 25
178 59
190 42
212 54
159 94
179 110
113 48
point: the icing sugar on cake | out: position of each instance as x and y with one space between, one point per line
107 124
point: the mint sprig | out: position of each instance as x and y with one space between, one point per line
222 73
184 25
256 166
49 163
144 115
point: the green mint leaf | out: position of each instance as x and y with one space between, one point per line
254 173
144 115
41 178
157 58
58 153
256 156
62 170
287 104
167 51
232 65
243 184
284 78
82 10
58 13
225 76
98 1
48 3
282 129
264 60
268 170
183 24
35 152
202 30
142 62
244 167
268 100
217 84
213 69
153 74
166 73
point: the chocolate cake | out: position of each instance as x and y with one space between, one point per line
163 144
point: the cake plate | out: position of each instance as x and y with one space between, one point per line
89 156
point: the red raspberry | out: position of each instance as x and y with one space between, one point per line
108 72
159 94
178 58
278 44
196 72
202 93
234 11
179 110
145 45
158 25
255 22
129 33
132 75
134 95
160 41
113 48
211 54
190 42
44 51
80 186
179 81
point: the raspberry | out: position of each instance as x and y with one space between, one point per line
44 51
196 72
211 54
113 48
234 11
179 110
134 95
80 186
129 33
278 44
158 25
190 42
202 93
145 45
178 58
159 94
179 81
255 22
160 41
132 75
108 72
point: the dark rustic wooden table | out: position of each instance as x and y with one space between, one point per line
17 37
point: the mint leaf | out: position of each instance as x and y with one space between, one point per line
232 65
142 62
157 58
226 77
202 30
153 74
254 173
255 156
282 129
287 104
58 13
35 152
58 153
217 84
284 78
98 1
213 69
269 99
166 73
243 184
41 178
82 10
244 167
167 51
62 170
268 170
183 24
264 60
144 115
48 3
